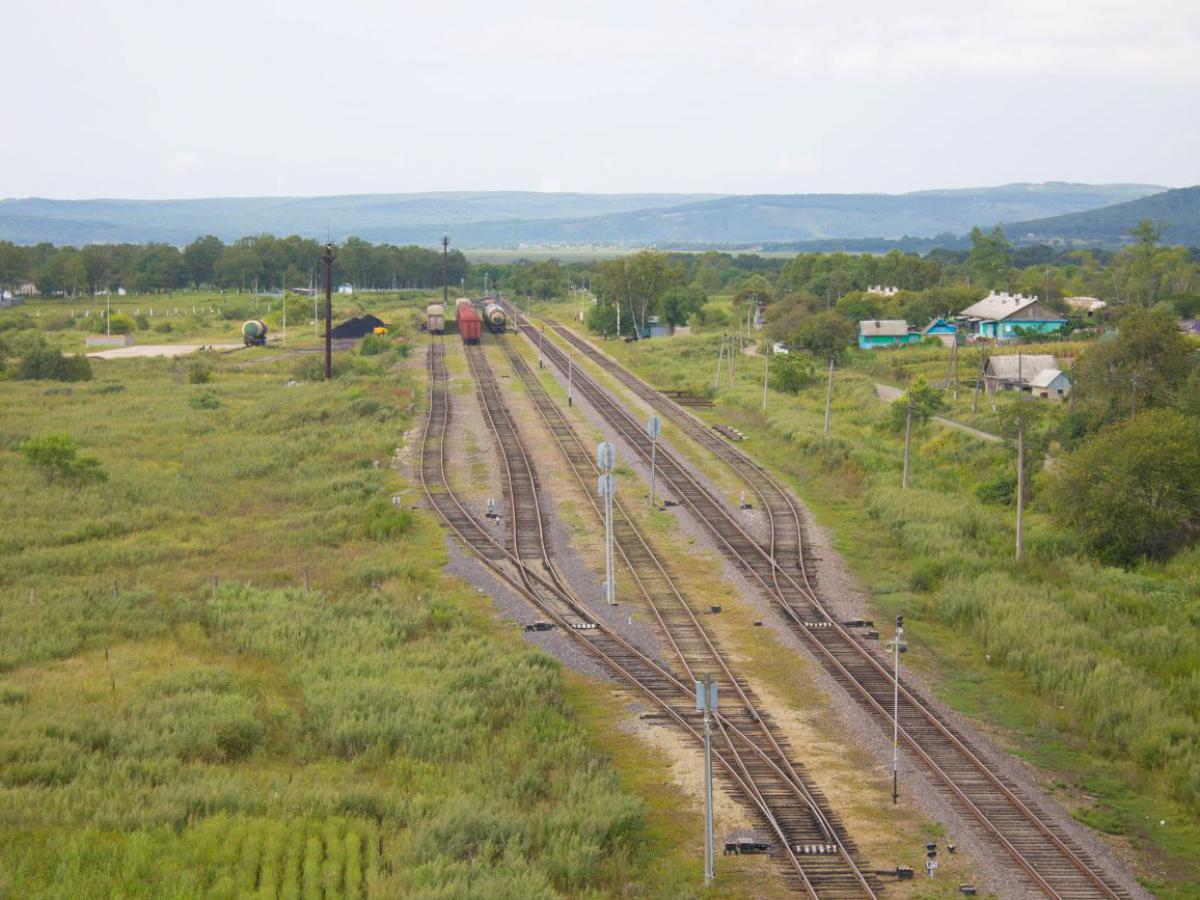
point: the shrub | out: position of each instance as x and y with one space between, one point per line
163 327
142 323
1001 489
200 372
373 344
56 456
47 363
385 521
204 400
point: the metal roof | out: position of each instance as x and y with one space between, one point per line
883 328
1045 378
1020 366
998 306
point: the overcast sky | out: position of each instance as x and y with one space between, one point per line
144 98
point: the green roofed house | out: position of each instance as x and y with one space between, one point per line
875 333
1005 317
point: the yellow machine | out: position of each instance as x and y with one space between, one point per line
380 330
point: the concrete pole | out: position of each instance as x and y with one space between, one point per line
766 376
720 354
610 586
907 442
709 856
1020 481
828 395
896 711
327 258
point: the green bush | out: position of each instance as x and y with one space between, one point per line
373 344
47 363
204 400
163 327
999 489
200 372
384 521
142 323
57 457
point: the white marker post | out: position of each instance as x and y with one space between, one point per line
606 457
706 702
653 429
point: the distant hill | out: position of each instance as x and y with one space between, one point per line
1177 212
510 219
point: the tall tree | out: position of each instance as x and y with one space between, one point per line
990 259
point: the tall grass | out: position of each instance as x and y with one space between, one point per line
1112 654
376 734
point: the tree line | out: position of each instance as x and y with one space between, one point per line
261 263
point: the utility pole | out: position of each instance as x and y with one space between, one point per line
445 271
1020 481
766 375
706 702
907 440
108 313
720 355
285 312
327 257
979 381
898 646
653 430
606 457
541 340
570 373
829 394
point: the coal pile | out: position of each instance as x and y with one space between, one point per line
357 327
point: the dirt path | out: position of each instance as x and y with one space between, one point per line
889 394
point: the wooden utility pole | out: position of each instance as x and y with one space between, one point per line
327 257
907 440
720 355
978 381
445 272
828 394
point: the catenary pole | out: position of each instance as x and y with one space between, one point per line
828 394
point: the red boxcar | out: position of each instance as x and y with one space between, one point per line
470 326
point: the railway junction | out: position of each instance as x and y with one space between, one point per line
1027 845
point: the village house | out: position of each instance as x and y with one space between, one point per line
875 333
1050 384
883 290
939 328
1004 316
1032 373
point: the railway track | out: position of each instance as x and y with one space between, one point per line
753 775
1047 859
796 803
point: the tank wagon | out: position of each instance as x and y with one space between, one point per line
254 333
494 316
435 318
470 325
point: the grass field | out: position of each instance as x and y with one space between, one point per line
236 667
1090 671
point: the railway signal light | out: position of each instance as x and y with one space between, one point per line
706 702
653 429
606 457
931 862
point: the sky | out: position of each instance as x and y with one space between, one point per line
141 99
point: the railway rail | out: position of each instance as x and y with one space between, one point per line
797 804
745 766
1048 859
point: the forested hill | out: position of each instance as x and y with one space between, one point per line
1176 212
499 219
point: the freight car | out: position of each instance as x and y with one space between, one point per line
435 318
470 326
254 333
493 315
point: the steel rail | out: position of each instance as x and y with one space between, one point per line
775 590
484 541
564 432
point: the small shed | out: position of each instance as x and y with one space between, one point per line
875 333
942 330
1016 371
345 288
1050 384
